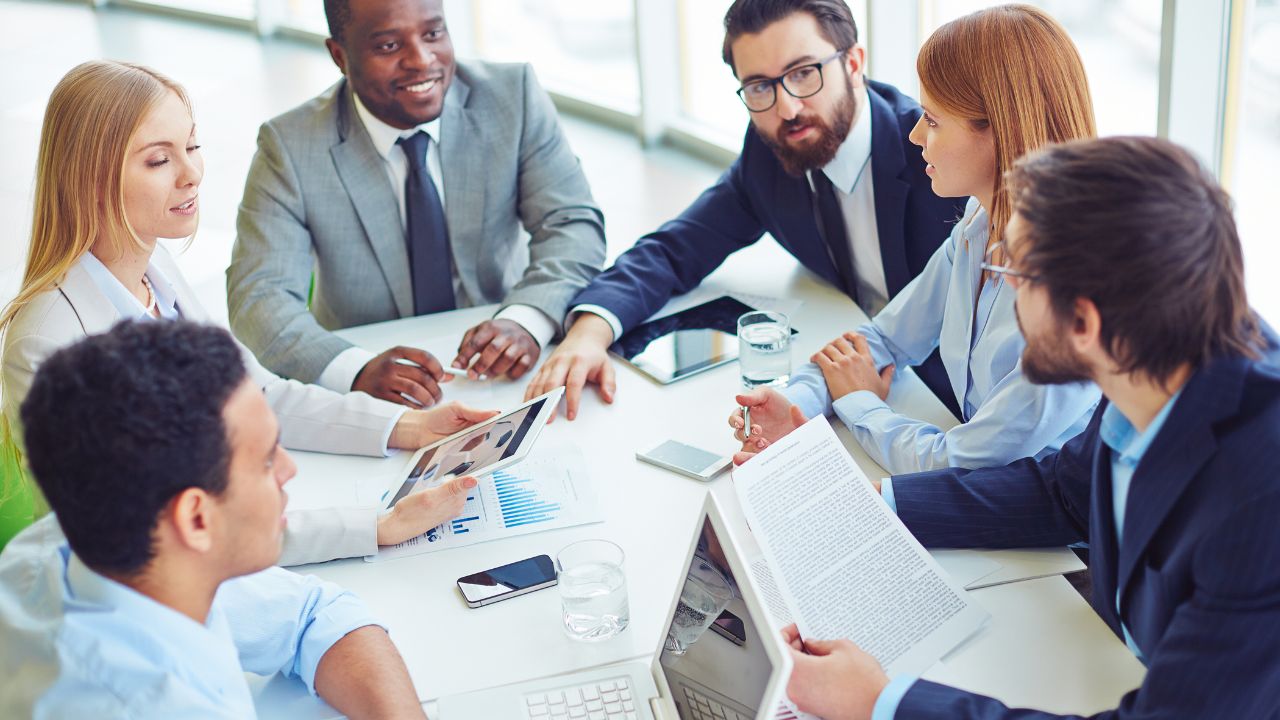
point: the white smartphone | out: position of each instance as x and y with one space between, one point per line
685 459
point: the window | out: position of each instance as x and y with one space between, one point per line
582 48
1119 43
238 9
306 15
1257 155
707 85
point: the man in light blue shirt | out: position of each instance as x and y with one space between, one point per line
150 589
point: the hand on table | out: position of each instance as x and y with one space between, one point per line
403 371
582 357
420 511
833 678
772 417
848 367
504 347
417 428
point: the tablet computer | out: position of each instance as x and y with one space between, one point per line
480 449
686 343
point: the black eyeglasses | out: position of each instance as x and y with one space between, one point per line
1015 276
799 82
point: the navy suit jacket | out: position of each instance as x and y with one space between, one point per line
1198 568
755 195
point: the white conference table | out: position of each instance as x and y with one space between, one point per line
1044 647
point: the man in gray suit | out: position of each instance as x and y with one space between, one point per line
402 191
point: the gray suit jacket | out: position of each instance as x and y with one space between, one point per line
318 197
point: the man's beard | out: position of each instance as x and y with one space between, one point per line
817 153
1049 360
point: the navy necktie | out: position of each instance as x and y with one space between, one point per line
831 219
426 236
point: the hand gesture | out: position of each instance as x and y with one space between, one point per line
404 375
848 367
504 347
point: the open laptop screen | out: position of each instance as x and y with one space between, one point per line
713 653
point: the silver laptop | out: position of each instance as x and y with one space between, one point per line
736 670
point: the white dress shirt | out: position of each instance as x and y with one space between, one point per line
850 173
342 370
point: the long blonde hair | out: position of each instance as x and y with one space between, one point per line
1012 68
90 121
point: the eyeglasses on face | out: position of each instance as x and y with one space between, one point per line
1000 250
800 82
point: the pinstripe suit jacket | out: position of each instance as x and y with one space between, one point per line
1198 568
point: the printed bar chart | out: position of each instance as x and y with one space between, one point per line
547 491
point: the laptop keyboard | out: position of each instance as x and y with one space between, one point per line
702 707
605 700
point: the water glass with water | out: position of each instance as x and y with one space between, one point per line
706 593
593 590
764 348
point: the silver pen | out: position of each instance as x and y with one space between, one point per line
746 422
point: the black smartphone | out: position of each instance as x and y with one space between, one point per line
730 627
508 581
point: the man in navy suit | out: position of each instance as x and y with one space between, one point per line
1129 273
826 169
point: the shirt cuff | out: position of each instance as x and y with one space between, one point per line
614 323
886 494
534 321
391 427
852 407
891 697
340 374
803 397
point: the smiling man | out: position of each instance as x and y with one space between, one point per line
826 169
403 190
150 591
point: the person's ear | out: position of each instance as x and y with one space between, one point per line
191 515
856 64
337 53
1085 332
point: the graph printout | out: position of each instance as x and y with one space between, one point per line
550 489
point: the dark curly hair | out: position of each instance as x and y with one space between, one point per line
119 424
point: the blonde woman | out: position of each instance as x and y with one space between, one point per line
994 86
119 167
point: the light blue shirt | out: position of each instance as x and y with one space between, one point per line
1005 416
1127 448
75 644
124 301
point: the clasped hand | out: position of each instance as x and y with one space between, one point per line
847 366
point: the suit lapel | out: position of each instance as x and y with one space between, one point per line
1173 460
1102 539
462 147
96 313
887 165
362 173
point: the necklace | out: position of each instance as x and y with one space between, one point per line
151 295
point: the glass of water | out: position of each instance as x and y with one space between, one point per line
706 593
593 590
764 348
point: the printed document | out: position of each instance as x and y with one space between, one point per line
845 565
550 489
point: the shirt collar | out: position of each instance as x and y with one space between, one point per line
128 306
853 154
384 136
1124 439
169 625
